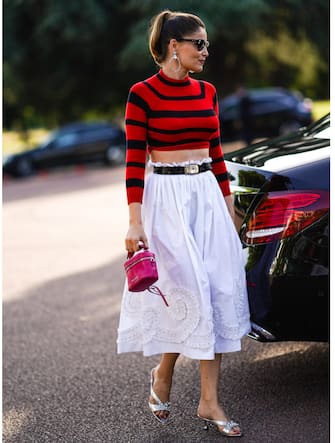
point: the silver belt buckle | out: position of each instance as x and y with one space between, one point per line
192 169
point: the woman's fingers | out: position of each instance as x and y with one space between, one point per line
135 245
136 239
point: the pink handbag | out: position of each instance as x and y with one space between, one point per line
141 271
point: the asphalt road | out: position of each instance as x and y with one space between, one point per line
62 380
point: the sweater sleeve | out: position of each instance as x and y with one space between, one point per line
136 142
216 153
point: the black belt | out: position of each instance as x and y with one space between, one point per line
188 169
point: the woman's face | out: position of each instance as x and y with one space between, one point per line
191 57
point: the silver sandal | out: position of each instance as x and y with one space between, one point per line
159 406
227 426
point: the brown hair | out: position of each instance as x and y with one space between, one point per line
167 25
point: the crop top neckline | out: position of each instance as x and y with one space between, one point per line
172 81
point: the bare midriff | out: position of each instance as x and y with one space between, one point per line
179 156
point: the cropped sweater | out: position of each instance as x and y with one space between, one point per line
164 114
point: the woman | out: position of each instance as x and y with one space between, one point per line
184 213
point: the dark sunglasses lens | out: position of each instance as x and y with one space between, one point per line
200 44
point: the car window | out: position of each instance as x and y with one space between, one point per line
273 104
66 140
102 133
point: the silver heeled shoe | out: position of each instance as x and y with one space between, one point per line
159 406
227 426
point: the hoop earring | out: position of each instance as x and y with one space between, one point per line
175 58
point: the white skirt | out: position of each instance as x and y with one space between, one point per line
201 273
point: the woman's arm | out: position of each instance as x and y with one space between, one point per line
216 153
136 136
135 232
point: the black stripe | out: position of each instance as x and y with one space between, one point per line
129 121
217 160
222 177
167 82
136 164
214 142
134 183
179 131
182 97
138 101
136 144
158 143
182 114
215 99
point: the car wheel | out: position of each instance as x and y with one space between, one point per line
289 126
24 167
115 155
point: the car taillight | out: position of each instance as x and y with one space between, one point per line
284 213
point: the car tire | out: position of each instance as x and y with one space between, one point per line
115 155
289 126
24 167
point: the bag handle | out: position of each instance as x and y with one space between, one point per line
140 245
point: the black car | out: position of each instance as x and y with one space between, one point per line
281 191
72 144
271 112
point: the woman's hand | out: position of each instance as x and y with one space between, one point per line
135 233
229 199
134 236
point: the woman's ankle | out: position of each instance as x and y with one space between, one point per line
164 374
211 409
211 402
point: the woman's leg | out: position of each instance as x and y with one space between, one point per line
209 406
163 380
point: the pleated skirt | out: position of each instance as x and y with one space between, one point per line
201 273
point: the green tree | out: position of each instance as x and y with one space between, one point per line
67 60
61 57
255 42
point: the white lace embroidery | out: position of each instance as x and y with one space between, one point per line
184 316
227 325
187 323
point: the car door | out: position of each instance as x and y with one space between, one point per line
59 151
93 143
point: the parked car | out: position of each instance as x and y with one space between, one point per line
273 111
281 191
72 144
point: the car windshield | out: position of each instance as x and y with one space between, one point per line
303 140
319 126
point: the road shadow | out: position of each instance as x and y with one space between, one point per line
63 382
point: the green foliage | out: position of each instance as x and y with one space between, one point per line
65 60
320 108
284 59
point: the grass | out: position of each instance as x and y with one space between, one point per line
320 108
13 142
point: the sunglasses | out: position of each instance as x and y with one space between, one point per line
198 43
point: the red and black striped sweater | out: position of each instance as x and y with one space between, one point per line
168 115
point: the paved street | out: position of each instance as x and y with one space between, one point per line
63 254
